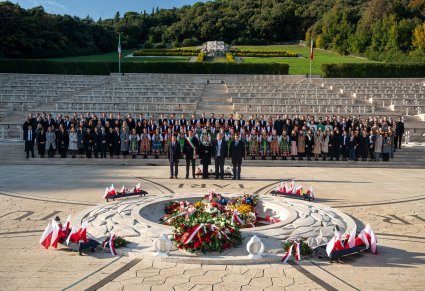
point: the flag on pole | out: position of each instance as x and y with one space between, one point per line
46 237
119 46
311 49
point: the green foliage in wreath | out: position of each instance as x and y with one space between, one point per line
304 248
120 242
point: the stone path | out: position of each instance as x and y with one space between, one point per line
392 200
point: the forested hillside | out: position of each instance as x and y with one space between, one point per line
387 30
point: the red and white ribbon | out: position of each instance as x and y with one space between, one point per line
218 231
192 235
297 251
287 255
236 218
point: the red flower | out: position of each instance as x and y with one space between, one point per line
214 204
232 230
182 226
207 240
196 245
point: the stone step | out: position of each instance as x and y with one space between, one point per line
14 154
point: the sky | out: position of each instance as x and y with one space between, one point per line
101 8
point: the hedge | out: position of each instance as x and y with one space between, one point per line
53 67
373 70
105 68
168 52
263 53
204 68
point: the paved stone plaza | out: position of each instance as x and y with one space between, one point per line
391 200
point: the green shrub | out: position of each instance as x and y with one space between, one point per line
230 58
167 52
54 67
373 70
263 53
200 58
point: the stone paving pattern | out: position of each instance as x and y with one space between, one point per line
392 200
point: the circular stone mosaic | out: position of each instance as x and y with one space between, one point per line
138 221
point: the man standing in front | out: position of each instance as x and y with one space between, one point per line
399 131
190 150
29 141
173 157
237 153
219 150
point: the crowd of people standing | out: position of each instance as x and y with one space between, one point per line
299 137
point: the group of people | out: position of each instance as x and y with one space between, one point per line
299 137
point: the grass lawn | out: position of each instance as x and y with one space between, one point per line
297 66
301 66
113 57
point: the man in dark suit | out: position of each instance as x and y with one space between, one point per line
173 157
29 136
190 150
237 153
399 131
219 151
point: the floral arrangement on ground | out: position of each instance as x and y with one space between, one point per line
305 249
212 224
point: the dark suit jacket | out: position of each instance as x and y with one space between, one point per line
187 148
32 135
223 149
237 153
174 152
399 128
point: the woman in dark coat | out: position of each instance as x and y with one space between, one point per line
110 142
41 142
364 145
309 143
205 154
63 141
88 142
117 142
352 146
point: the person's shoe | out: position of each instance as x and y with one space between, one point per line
176 177
187 177
171 177
239 178
194 177
216 178
221 178
234 178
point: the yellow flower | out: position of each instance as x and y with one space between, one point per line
244 209
198 205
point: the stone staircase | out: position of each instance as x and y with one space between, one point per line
215 98
410 156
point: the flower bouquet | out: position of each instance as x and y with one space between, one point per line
213 223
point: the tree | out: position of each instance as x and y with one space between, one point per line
117 17
418 41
